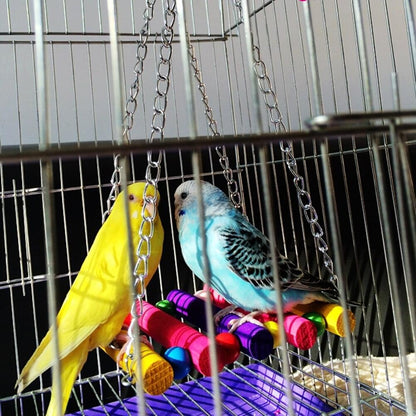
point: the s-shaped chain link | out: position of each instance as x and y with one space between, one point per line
224 161
115 187
286 146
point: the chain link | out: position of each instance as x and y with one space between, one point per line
286 146
115 187
141 54
224 161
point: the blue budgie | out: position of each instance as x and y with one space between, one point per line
239 255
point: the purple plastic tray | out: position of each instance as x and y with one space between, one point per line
251 390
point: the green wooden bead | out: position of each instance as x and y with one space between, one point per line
318 320
166 306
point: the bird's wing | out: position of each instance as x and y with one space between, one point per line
99 291
247 251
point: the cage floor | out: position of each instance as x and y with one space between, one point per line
255 389
258 389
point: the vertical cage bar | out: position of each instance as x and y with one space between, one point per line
248 37
363 56
406 219
270 226
117 88
47 179
392 268
196 166
332 206
266 188
411 33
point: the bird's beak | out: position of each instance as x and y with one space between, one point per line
177 208
151 209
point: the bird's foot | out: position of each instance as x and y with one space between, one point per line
250 317
124 343
235 323
119 340
223 312
202 294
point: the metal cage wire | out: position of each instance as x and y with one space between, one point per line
66 73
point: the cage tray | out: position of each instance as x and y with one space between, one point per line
254 389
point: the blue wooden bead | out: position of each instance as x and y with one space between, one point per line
180 361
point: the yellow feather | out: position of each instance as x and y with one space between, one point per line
97 303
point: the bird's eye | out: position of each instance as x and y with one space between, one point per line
184 195
131 197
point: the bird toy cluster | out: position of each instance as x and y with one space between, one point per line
325 316
187 348
302 327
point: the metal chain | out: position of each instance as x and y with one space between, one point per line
286 146
152 174
131 103
224 161
115 187
153 169
141 54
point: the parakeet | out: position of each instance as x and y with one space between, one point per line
239 254
94 309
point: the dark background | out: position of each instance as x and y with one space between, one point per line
75 184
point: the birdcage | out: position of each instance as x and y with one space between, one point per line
301 111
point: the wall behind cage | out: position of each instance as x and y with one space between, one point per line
79 65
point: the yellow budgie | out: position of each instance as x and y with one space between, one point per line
97 303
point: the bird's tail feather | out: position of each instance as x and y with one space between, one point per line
39 362
70 367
